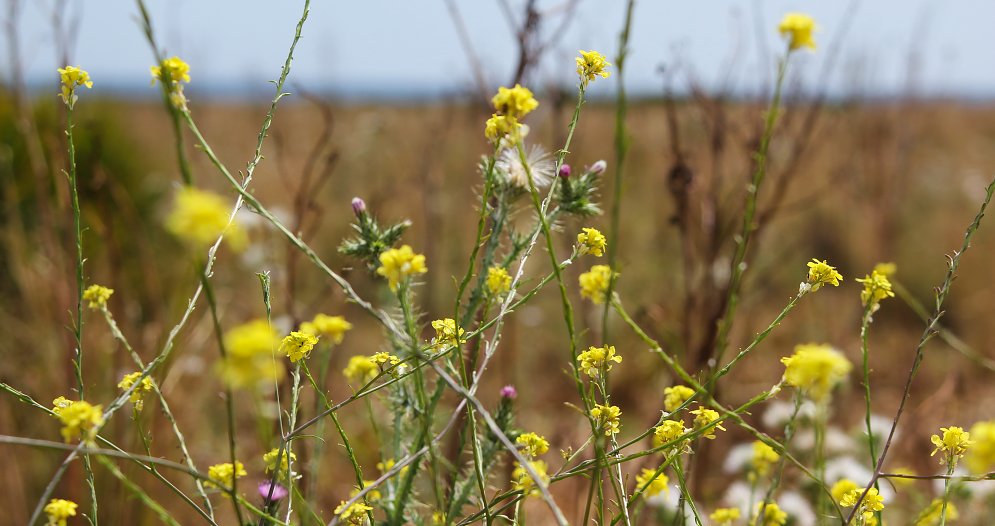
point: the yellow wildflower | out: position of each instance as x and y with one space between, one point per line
606 418
668 431
532 444
798 29
876 288
871 503
60 404
80 419
200 217
703 418
592 242
888 269
446 334
674 397
59 510
331 327
815 369
353 514
498 281
842 487
361 369
980 458
931 516
773 515
136 396
595 282
388 464
591 64
285 461
597 359
371 496
821 273
725 516
223 475
72 77
398 264
514 102
385 359
174 68
501 126
97 296
764 457
651 483
954 443
438 518
251 362
298 345
522 481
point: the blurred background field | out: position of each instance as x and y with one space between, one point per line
856 180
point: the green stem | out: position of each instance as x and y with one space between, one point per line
951 464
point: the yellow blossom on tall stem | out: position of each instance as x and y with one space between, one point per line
932 515
514 102
532 444
250 350
59 511
651 483
675 396
223 475
876 288
822 273
798 28
815 369
500 126
173 72
136 396
595 282
354 514
72 77
399 264
725 516
522 481
606 418
97 296
703 418
668 431
498 281
80 419
591 64
331 327
446 334
597 359
954 443
591 241
361 369
872 502
980 457
200 217
282 467
773 515
298 345
763 458
841 488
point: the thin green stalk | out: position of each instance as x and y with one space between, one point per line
946 492
821 419
789 433
687 495
621 149
137 491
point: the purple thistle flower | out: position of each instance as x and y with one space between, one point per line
509 392
358 206
565 171
278 492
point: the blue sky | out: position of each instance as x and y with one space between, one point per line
384 47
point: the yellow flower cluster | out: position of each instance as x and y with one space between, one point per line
980 456
822 273
354 514
285 462
510 104
361 370
532 444
591 64
725 516
651 482
176 71
80 419
703 418
371 496
842 487
498 281
250 361
932 515
876 288
522 481
223 475
773 515
298 345
674 397
597 359
606 418
399 264
446 334
97 296
59 510
136 396
815 369
668 431
200 217
595 282
872 502
798 29
325 326
954 443
72 77
592 242
763 458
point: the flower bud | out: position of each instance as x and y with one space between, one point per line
358 206
565 171
598 167
509 392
